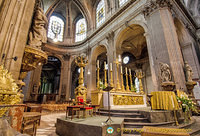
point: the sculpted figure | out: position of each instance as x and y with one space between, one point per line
38 34
165 72
188 72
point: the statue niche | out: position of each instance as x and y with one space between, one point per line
38 32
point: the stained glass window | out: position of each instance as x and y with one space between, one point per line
56 28
81 29
121 2
100 13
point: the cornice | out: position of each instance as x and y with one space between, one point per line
156 4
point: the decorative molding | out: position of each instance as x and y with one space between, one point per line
156 4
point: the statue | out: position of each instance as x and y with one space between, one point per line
38 34
188 72
165 72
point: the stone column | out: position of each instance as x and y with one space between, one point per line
16 17
111 56
66 74
164 45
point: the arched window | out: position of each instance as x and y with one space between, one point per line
100 13
121 2
56 29
81 29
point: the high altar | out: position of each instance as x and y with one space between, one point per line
120 96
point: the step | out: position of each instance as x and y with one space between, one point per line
128 115
145 120
120 111
140 125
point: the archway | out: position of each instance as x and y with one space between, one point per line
131 44
50 80
99 53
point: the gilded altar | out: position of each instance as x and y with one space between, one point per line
124 100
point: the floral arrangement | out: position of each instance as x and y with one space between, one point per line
101 85
187 104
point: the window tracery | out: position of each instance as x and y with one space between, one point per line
56 28
81 29
100 13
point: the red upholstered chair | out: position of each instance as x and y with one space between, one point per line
83 106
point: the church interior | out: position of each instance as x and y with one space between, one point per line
99 67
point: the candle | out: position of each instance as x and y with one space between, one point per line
119 58
97 63
110 66
129 71
126 71
104 65
121 70
172 101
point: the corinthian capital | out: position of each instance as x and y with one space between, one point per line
155 4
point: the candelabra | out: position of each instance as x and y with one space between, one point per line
131 82
111 76
118 84
122 80
127 86
140 75
105 74
81 90
98 79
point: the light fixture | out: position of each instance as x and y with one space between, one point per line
126 60
79 70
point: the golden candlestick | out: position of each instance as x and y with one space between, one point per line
111 76
131 82
81 90
118 84
105 73
127 86
98 79
122 80
140 75
111 79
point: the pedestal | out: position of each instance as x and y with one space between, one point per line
168 86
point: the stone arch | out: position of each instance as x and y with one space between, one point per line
96 51
131 38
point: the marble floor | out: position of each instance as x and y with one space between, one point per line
47 126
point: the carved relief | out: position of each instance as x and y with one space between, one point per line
165 72
153 5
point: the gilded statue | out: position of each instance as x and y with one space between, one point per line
188 72
38 33
165 72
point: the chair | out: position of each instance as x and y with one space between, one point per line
83 106
71 110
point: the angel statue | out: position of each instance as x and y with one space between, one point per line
165 72
38 33
188 72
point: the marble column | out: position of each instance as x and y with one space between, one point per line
164 44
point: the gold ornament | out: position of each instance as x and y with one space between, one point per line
9 91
